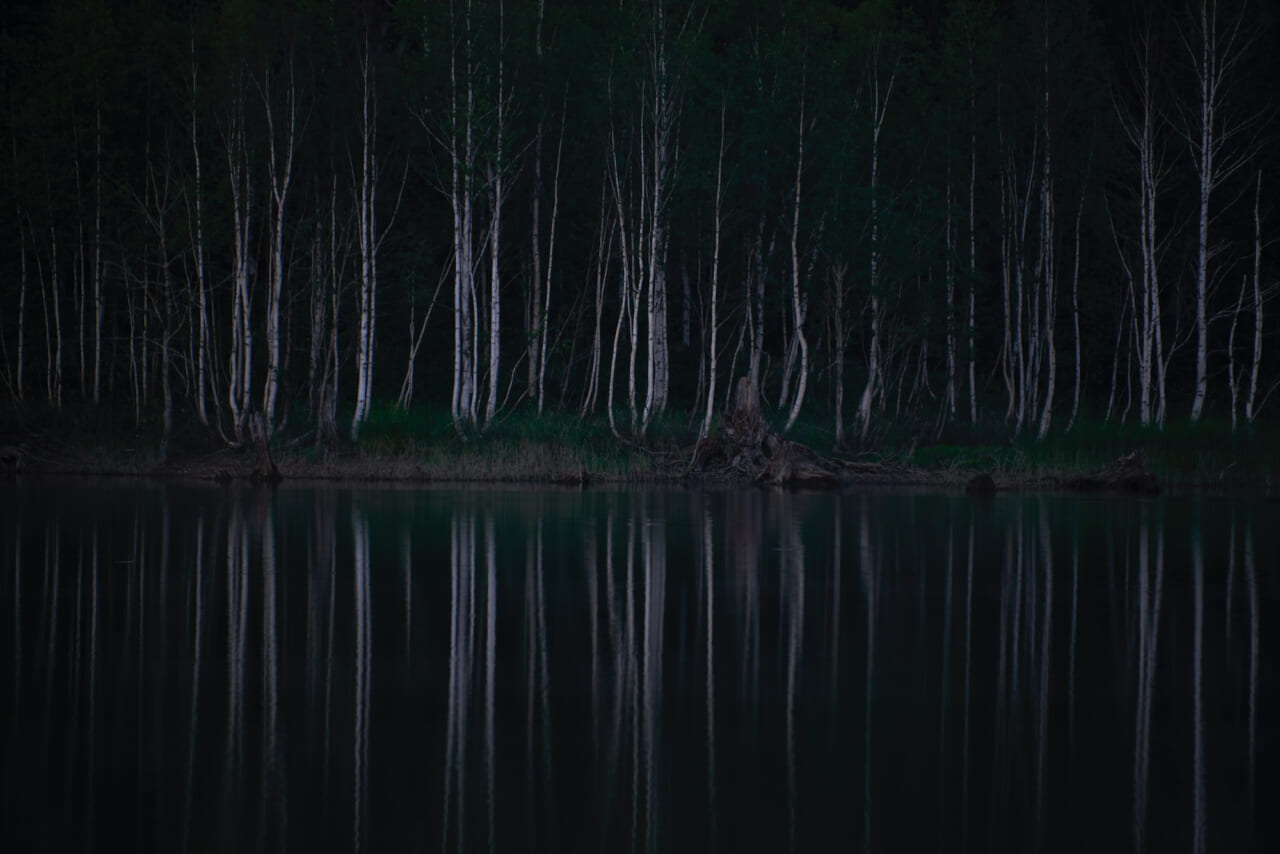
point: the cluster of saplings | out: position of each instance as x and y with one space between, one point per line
277 218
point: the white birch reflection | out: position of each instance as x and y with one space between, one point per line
1150 587
225 669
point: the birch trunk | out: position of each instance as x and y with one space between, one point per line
241 353
1250 407
495 234
18 381
838 273
55 391
461 148
879 106
714 325
534 318
280 172
315 350
797 310
367 241
1233 384
545 310
202 312
1075 294
1214 56
603 258
1048 264
973 253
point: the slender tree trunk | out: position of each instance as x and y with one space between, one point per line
545 310
462 151
1075 294
56 389
714 324
1233 384
495 234
951 288
1048 263
280 167
202 344
880 105
838 273
367 240
1250 407
973 253
19 381
97 255
241 354
602 273
797 310
1214 53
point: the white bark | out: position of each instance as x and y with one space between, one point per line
367 241
951 288
280 172
879 107
241 352
545 309
202 343
713 324
462 164
838 273
1250 401
1047 264
495 234
55 392
603 258
1075 297
17 383
797 309
1233 380
1214 50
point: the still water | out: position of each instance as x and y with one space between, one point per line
226 669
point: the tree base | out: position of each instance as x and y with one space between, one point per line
264 470
748 449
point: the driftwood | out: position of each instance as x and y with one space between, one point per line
748 449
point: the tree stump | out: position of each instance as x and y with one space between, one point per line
750 450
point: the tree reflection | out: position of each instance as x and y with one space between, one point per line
632 671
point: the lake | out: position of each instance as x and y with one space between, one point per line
462 669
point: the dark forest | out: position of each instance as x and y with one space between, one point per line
965 217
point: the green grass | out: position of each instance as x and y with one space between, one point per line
1204 453
517 446
521 445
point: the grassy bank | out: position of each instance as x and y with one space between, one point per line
422 444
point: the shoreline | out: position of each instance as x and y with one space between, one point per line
541 465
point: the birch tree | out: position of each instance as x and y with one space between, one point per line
881 92
713 323
1215 48
797 301
1141 129
280 155
240 359
1251 403
202 365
